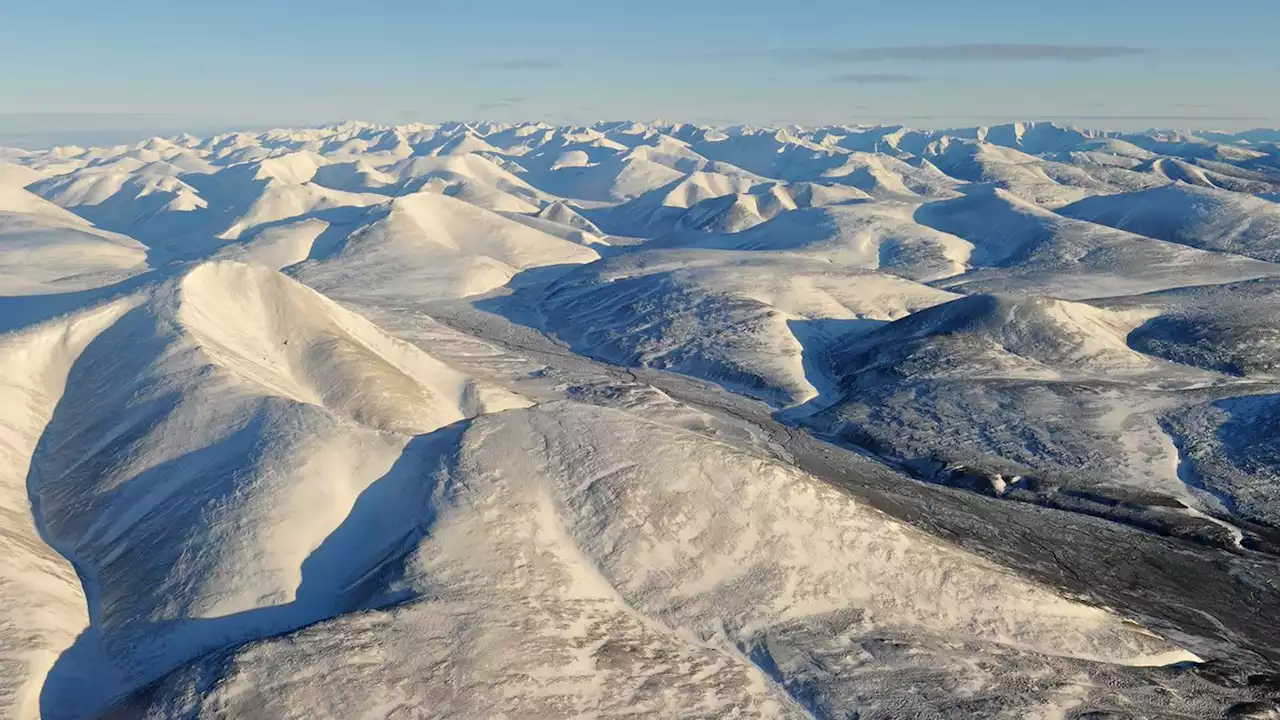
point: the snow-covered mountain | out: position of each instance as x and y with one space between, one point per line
641 419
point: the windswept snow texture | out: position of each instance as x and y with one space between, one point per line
656 420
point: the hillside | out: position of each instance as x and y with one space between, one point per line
640 419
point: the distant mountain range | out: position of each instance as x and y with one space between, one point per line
658 419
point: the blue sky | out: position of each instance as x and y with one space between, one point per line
929 63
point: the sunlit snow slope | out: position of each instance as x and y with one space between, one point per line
662 420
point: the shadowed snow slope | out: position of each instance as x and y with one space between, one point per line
1020 385
42 606
1227 328
226 424
1200 217
1007 335
641 420
865 236
1022 248
578 560
737 318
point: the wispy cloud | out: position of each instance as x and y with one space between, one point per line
1024 116
1174 118
964 52
973 52
530 63
877 78
501 103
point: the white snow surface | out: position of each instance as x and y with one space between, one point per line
371 421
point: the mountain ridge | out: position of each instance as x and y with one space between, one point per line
640 418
